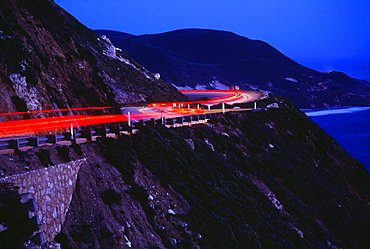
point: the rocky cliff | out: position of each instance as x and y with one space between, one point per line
49 60
263 179
200 58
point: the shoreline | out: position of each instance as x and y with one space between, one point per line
334 110
350 129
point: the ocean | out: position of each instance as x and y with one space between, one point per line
350 127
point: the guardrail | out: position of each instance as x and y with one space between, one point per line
88 132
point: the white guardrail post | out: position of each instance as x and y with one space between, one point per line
72 133
162 118
129 119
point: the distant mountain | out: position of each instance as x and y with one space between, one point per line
199 58
50 60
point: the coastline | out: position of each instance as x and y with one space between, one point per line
350 129
334 110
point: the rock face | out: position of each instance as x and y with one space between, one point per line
263 179
210 59
52 190
49 60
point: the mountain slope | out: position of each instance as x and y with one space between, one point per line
263 179
192 57
269 178
49 60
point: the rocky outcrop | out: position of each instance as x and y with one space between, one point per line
49 60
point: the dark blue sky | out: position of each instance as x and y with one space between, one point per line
325 35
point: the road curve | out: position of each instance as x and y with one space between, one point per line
154 110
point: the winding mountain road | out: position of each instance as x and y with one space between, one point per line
154 110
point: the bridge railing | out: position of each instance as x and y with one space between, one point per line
88 132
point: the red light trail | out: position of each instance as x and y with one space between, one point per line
232 95
28 126
55 110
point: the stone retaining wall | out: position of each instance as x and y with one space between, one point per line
52 188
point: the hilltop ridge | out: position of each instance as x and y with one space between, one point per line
201 58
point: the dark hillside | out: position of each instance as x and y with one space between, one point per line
264 179
49 60
206 58
267 179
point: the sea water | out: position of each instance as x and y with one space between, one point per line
350 127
